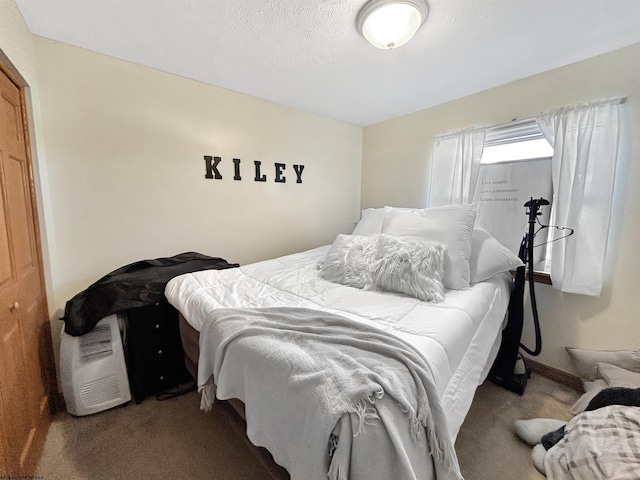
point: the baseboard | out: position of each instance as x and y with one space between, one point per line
556 375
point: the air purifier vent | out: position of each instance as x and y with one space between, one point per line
96 342
100 391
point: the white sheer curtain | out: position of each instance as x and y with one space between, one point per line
455 166
586 147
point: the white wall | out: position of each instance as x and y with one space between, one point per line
395 171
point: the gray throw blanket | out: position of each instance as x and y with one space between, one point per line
309 369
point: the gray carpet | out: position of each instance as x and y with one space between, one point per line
173 439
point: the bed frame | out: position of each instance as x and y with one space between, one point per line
190 344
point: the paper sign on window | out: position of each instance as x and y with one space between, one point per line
502 189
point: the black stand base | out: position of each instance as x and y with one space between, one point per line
514 383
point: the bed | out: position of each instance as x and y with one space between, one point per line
453 340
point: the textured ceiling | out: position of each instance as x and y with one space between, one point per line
308 55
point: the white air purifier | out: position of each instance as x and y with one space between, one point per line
93 369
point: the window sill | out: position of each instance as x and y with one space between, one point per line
538 277
541 277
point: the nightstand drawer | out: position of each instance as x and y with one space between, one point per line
155 358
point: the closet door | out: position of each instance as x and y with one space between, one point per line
25 355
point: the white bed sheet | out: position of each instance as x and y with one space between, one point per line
458 337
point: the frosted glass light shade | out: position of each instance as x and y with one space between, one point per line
391 23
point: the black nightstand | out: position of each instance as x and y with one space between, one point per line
155 358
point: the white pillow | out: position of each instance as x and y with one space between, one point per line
371 222
372 218
409 265
452 226
347 261
489 257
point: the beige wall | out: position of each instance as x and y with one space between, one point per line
17 47
120 171
118 154
395 171
16 41
125 145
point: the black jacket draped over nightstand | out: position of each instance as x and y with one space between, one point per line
138 284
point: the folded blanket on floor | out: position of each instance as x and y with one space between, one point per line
603 444
312 368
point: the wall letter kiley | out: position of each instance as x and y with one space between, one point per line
279 168
211 170
212 167
259 178
236 163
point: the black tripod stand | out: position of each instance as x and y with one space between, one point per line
504 372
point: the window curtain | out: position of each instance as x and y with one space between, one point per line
586 148
455 166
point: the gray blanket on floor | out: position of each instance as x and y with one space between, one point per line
301 372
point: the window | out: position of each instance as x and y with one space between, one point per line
586 148
515 166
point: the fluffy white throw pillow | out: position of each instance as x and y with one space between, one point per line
451 226
348 260
409 265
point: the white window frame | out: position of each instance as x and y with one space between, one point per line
519 132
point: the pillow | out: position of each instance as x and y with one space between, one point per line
618 377
371 222
409 265
591 390
586 361
452 226
489 257
347 261
372 218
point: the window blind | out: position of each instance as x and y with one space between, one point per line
522 131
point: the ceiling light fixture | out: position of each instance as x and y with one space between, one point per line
391 23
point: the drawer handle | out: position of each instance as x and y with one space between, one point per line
160 352
157 326
161 378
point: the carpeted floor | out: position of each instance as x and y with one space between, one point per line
173 439
487 446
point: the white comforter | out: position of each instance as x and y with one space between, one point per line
303 372
457 337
